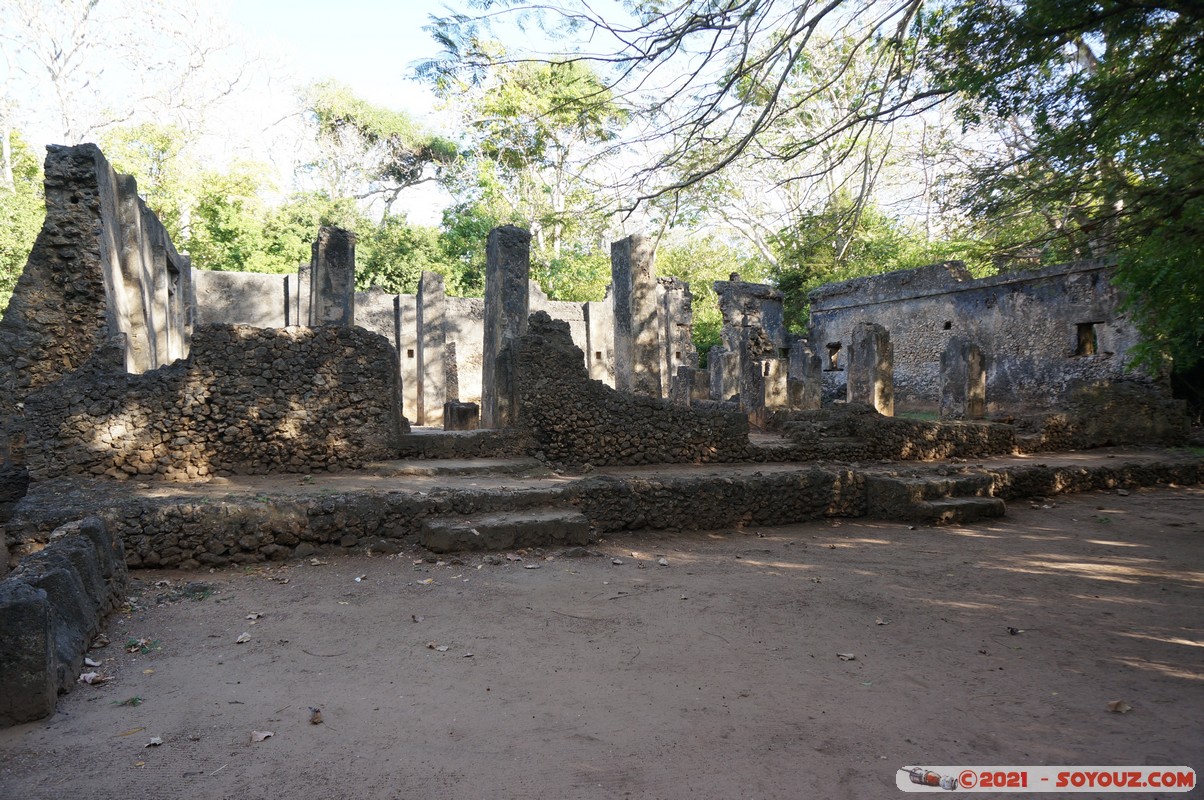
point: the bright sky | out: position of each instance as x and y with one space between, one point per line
370 45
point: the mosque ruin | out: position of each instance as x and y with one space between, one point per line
123 363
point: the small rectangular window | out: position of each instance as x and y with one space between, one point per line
833 356
409 353
597 355
1087 344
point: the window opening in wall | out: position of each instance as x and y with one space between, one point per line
597 355
1087 344
948 325
409 353
677 355
766 372
833 356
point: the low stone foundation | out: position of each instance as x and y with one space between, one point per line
51 606
191 532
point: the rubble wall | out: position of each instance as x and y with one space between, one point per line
572 419
247 401
102 266
51 606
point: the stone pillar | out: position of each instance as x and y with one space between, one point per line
407 353
300 311
507 302
682 391
600 339
637 340
332 281
963 381
870 373
752 387
431 339
775 372
459 416
805 381
725 373
675 307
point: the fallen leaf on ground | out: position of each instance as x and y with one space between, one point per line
243 638
880 621
315 716
426 581
417 617
254 615
531 566
1119 707
512 557
360 578
131 731
847 656
259 736
313 562
101 640
616 561
129 701
154 742
94 678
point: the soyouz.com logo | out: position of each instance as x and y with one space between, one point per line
1045 779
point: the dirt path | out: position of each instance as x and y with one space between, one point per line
716 676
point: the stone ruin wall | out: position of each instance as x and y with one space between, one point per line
101 267
103 375
247 401
271 301
1027 325
575 420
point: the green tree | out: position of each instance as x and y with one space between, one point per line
1102 103
701 261
156 155
227 230
394 254
369 152
290 228
22 210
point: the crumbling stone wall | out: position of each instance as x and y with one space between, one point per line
51 606
1041 331
856 432
575 420
247 401
1102 414
101 267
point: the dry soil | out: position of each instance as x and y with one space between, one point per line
719 675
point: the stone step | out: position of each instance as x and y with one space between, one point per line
539 527
902 491
958 510
438 443
436 467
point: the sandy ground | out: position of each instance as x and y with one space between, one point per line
716 676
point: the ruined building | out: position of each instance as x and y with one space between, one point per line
123 360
